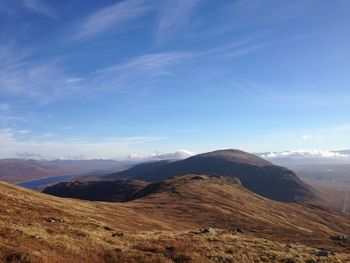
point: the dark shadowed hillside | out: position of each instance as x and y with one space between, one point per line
115 190
255 173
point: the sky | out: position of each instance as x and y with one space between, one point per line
110 79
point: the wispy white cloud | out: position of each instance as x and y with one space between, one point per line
47 81
142 70
150 62
111 17
267 94
9 120
173 16
68 128
43 81
23 131
265 11
40 7
235 49
341 127
306 137
137 72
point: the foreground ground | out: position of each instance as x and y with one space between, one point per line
163 226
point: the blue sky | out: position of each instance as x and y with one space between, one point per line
117 78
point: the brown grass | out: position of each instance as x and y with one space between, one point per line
160 227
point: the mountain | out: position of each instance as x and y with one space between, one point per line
90 164
25 170
109 191
21 170
189 218
256 174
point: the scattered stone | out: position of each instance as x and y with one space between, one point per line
169 250
54 220
295 259
324 253
237 181
207 230
340 238
18 257
117 234
19 231
288 245
229 251
107 228
235 230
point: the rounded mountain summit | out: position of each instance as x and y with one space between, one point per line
256 174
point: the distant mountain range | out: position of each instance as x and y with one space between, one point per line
20 170
23 170
30 171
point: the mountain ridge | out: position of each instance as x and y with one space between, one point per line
255 173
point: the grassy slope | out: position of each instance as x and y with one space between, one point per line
157 226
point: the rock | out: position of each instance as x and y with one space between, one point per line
169 250
18 257
19 231
197 177
324 253
207 230
107 228
290 260
340 238
288 245
117 234
54 220
237 181
236 230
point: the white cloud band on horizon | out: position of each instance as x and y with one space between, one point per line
13 145
176 155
